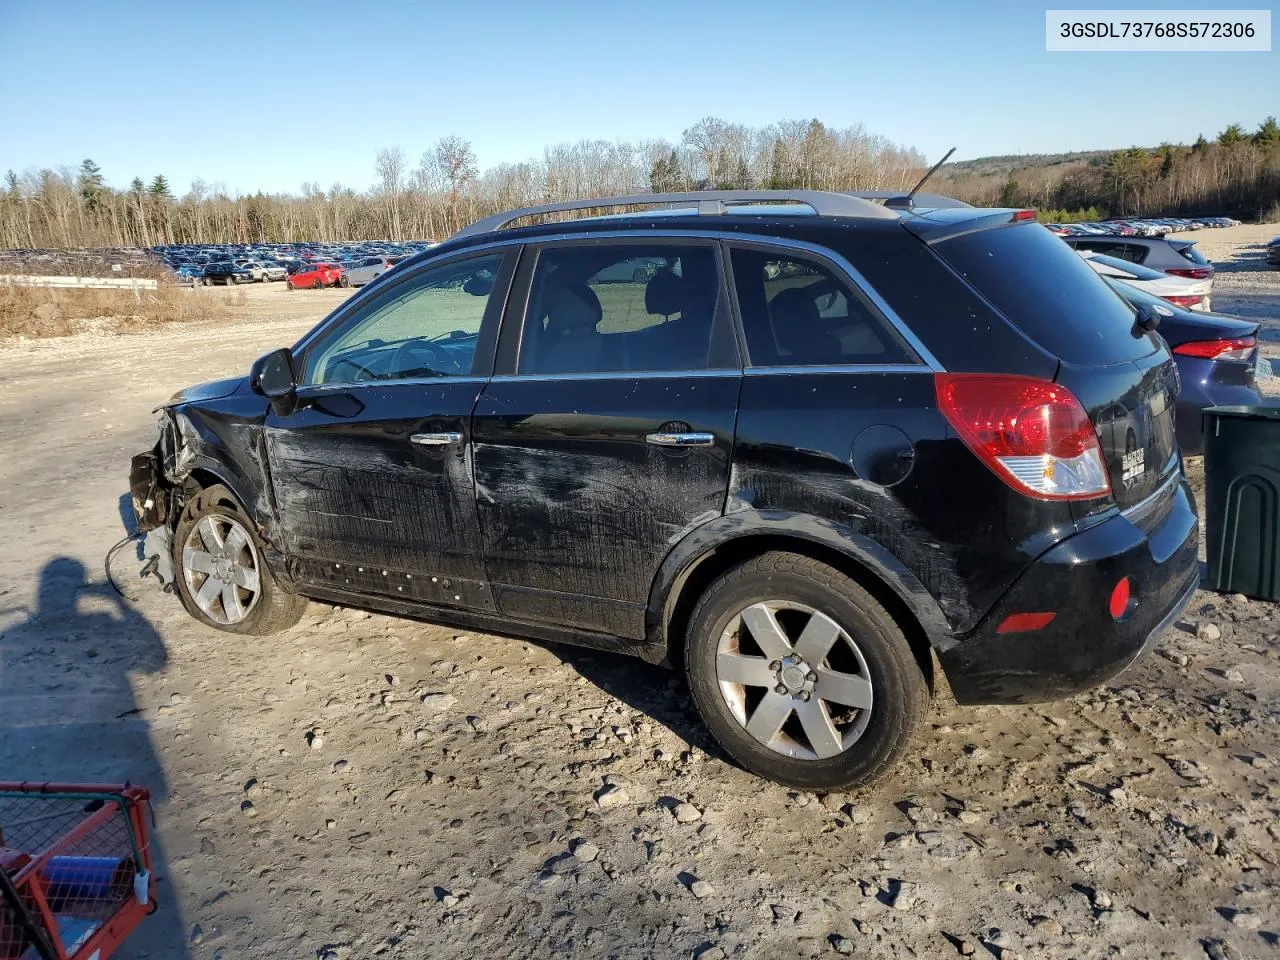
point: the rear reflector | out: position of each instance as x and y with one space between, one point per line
1118 605
1236 348
1032 433
1185 302
1025 622
1191 273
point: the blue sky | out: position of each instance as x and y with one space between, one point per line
268 95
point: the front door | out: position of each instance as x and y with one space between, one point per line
372 472
611 434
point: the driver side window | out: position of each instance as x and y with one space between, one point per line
424 328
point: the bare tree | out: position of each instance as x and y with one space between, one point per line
457 163
391 170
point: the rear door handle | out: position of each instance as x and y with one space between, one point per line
680 439
435 439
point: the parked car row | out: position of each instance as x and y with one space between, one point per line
1146 227
361 261
843 486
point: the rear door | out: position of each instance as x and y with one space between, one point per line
607 432
1123 375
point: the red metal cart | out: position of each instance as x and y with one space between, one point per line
75 869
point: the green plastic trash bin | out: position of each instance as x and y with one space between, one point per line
1242 499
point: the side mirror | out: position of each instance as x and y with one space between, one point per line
272 375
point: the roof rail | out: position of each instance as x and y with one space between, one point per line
898 200
707 202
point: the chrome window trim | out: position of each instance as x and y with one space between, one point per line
840 368
316 389
618 375
728 236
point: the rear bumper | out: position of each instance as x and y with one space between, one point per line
1083 646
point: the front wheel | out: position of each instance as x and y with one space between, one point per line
289 285
344 281
801 675
222 577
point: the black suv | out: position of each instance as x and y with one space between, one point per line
228 272
801 446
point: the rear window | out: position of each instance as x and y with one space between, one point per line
1191 253
1134 270
1043 287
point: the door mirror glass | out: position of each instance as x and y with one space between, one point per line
272 375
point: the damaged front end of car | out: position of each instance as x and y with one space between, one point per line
156 480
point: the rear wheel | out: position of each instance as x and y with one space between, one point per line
222 577
344 281
801 675
289 285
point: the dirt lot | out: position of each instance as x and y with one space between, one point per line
364 786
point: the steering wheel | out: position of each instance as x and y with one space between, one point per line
435 358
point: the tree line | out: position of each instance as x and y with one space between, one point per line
1235 174
75 207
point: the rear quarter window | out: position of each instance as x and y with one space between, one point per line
1045 289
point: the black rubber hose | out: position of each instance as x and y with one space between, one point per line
106 564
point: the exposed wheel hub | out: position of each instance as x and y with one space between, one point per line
222 567
794 676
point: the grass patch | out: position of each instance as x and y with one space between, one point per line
36 312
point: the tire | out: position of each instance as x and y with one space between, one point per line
289 285
856 745
260 612
344 281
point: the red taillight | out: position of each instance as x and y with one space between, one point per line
1236 348
1025 622
1033 433
1020 215
1118 604
1191 273
1186 302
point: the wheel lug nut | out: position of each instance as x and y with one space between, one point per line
804 695
779 689
812 677
775 666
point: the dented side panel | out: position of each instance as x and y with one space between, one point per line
572 500
869 453
352 487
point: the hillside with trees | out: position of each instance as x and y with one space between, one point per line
1235 174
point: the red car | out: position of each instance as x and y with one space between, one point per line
318 275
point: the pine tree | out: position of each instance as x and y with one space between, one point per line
92 185
11 185
778 166
1268 132
1200 145
137 187
1009 193
159 189
1233 134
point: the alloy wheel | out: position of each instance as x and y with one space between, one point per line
222 569
794 679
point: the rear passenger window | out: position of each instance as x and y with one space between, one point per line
611 308
797 312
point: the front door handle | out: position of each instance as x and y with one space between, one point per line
680 439
435 439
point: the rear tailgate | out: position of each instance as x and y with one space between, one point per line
1123 375
1131 406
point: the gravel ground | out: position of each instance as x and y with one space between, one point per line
363 786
